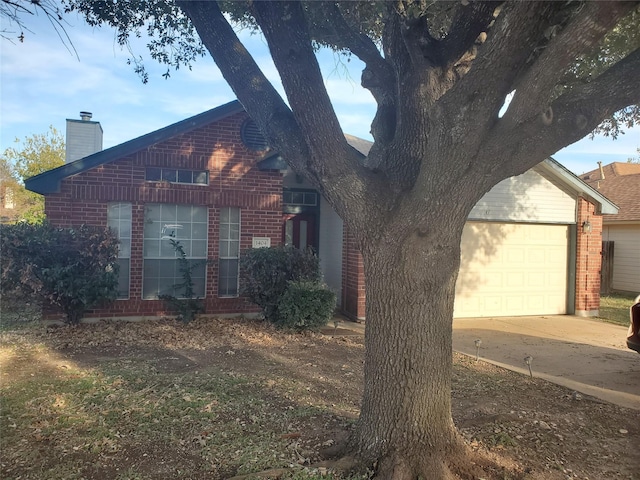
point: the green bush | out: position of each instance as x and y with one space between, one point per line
306 306
188 305
72 268
266 272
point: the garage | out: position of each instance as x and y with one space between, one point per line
531 246
513 269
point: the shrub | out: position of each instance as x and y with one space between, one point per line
72 268
188 305
306 306
266 272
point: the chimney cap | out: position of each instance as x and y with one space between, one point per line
86 116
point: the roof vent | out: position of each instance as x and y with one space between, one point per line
252 137
85 116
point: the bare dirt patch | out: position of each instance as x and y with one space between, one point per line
219 398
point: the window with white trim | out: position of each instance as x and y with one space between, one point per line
301 198
229 253
186 224
119 221
176 175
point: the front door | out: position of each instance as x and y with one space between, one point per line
299 230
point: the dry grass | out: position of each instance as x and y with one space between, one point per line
219 398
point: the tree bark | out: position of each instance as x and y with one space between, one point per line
405 423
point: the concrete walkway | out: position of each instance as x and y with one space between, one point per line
587 356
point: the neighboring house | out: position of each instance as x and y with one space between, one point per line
531 246
620 182
7 203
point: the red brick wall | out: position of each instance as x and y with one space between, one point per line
353 283
234 181
588 260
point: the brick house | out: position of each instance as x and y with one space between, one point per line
531 245
621 232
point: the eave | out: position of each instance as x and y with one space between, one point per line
554 169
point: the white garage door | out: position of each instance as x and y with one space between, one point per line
512 269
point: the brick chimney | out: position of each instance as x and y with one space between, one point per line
84 137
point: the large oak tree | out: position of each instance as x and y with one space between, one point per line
440 73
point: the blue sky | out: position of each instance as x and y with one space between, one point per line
42 84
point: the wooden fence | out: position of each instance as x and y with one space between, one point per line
606 271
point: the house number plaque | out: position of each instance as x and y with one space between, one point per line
261 242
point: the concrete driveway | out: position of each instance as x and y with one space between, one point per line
585 355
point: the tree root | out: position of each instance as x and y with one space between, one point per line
342 465
458 463
467 465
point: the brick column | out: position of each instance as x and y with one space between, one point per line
353 290
588 260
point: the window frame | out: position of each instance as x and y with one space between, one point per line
158 253
228 258
115 222
175 174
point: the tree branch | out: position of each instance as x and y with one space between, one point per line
393 45
11 10
392 155
516 34
473 103
570 118
536 88
247 81
285 29
378 76
468 23
581 110
423 49
334 167
343 36
308 134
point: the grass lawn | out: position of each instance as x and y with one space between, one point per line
614 308
220 399
145 412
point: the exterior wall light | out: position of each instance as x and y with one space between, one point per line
586 227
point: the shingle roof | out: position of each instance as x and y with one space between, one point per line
274 160
621 184
614 169
360 144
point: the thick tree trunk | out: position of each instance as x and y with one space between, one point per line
405 425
